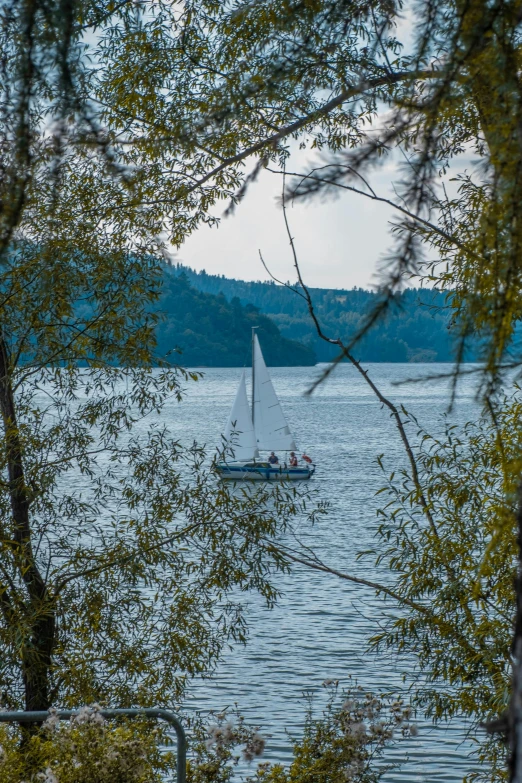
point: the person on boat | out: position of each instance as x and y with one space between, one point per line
273 459
293 460
306 458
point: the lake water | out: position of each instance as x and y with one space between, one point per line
320 627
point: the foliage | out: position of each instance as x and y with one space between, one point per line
122 126
117 583
219 743
454 562
214 84
211 84
213 332
347 742
86 750
122 560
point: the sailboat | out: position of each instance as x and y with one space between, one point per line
262 427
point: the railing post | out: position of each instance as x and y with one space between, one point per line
146 712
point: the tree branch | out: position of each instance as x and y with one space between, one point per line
329 106
373 197
345 353
318 565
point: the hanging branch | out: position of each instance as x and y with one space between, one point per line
344 352
314 562
322 180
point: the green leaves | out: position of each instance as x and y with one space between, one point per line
462 570
85 750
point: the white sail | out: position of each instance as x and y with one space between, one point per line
239 431
272 431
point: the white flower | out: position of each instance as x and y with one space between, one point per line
258 744
357 730
353 769
254 747
89 715
228 732
82 716
51 723
48 776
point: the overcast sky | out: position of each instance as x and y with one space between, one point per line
339 242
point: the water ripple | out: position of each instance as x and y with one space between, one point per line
320 627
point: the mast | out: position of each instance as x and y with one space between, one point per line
253 371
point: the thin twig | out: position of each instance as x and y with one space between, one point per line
344 352
372 195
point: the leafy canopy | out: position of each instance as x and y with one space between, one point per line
122 560
454 562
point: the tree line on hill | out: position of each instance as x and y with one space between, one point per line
416 329
211 331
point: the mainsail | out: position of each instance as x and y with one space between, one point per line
271 430
239 432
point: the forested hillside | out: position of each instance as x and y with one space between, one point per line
213 332
415 330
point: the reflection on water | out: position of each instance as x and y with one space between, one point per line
320 626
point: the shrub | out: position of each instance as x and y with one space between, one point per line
346 743
87 749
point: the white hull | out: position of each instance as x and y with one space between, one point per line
230 471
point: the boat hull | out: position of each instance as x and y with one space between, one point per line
231 472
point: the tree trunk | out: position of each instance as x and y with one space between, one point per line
39 633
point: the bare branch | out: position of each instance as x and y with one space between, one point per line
372 195
345 353
317 565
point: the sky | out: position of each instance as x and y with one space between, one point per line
339 241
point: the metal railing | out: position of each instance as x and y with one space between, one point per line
151 712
